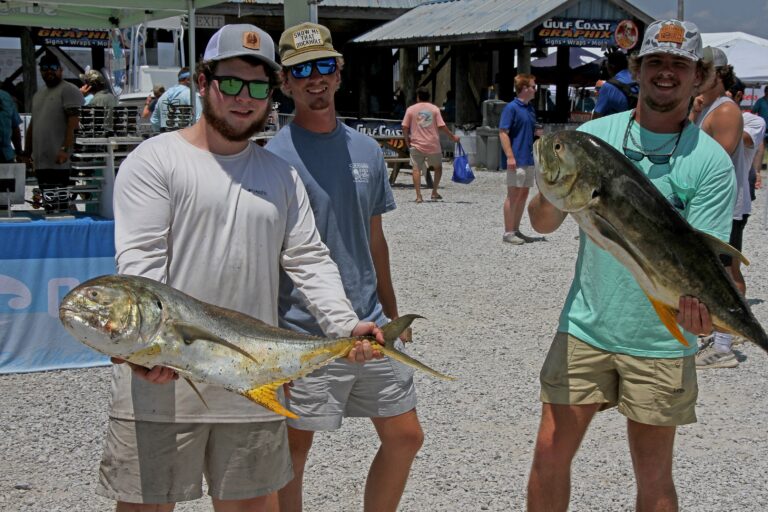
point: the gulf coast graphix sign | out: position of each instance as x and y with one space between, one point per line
72 37
587 32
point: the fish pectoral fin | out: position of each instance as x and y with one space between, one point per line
406 359
668 317
266 396
197 392
720 247
190 333
611 233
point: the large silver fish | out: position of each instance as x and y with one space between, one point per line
623 212
149 323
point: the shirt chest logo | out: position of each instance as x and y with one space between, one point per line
360 172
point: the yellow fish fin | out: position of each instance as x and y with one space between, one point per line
720 247
668 317
266 396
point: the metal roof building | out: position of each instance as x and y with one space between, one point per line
456 21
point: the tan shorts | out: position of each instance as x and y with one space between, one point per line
652 391
422 161
522 177
153 463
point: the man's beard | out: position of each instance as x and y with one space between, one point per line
667 106
53 82
226 130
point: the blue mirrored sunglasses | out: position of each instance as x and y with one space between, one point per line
47 67
323 66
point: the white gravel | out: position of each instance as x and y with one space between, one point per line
491 312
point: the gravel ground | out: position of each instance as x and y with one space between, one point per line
491 312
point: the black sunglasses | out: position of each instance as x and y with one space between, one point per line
655 158
231 86
49 67
325 66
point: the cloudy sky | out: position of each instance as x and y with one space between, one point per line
750 16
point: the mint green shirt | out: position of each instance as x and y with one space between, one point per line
605 306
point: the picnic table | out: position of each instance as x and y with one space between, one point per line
396 155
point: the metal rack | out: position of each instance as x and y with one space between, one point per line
103 140
94 165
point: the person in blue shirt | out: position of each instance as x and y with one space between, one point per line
10 133
516 128
177 95
612 99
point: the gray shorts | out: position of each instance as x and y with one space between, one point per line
379 388
522 177
423 161
153 463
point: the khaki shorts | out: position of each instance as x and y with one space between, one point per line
153 463
522 177
377 389
652 391
422 161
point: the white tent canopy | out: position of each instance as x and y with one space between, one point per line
747 54
93 14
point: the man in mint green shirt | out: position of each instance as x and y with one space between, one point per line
611 348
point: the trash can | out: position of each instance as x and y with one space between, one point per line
488 145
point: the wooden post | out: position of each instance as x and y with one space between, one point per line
28 65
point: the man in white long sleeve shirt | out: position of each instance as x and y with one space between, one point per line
211 213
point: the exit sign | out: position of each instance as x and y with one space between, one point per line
209 21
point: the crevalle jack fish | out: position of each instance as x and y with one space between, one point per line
149 323
622 212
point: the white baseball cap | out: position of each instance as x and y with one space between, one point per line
241 41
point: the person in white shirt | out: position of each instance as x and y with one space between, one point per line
209 212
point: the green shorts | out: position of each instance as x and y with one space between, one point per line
652 391
154 463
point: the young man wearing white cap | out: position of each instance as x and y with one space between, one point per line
209 212
611 349
720 118
346 179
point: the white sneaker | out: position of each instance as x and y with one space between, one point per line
707 357
512 238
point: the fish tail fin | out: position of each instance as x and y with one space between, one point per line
668 317
395 328
406 359
266 396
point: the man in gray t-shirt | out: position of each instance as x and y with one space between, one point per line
51 133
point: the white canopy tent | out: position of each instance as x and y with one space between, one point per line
747 54
100 14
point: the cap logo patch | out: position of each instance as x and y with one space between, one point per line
307 37
251 40
671 33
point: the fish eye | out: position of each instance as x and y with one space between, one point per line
93 294
558 146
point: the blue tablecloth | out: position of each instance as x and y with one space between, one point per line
40 261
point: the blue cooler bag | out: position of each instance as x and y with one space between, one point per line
462 172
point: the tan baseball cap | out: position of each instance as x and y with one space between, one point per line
305 42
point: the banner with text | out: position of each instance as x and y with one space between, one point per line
585 32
